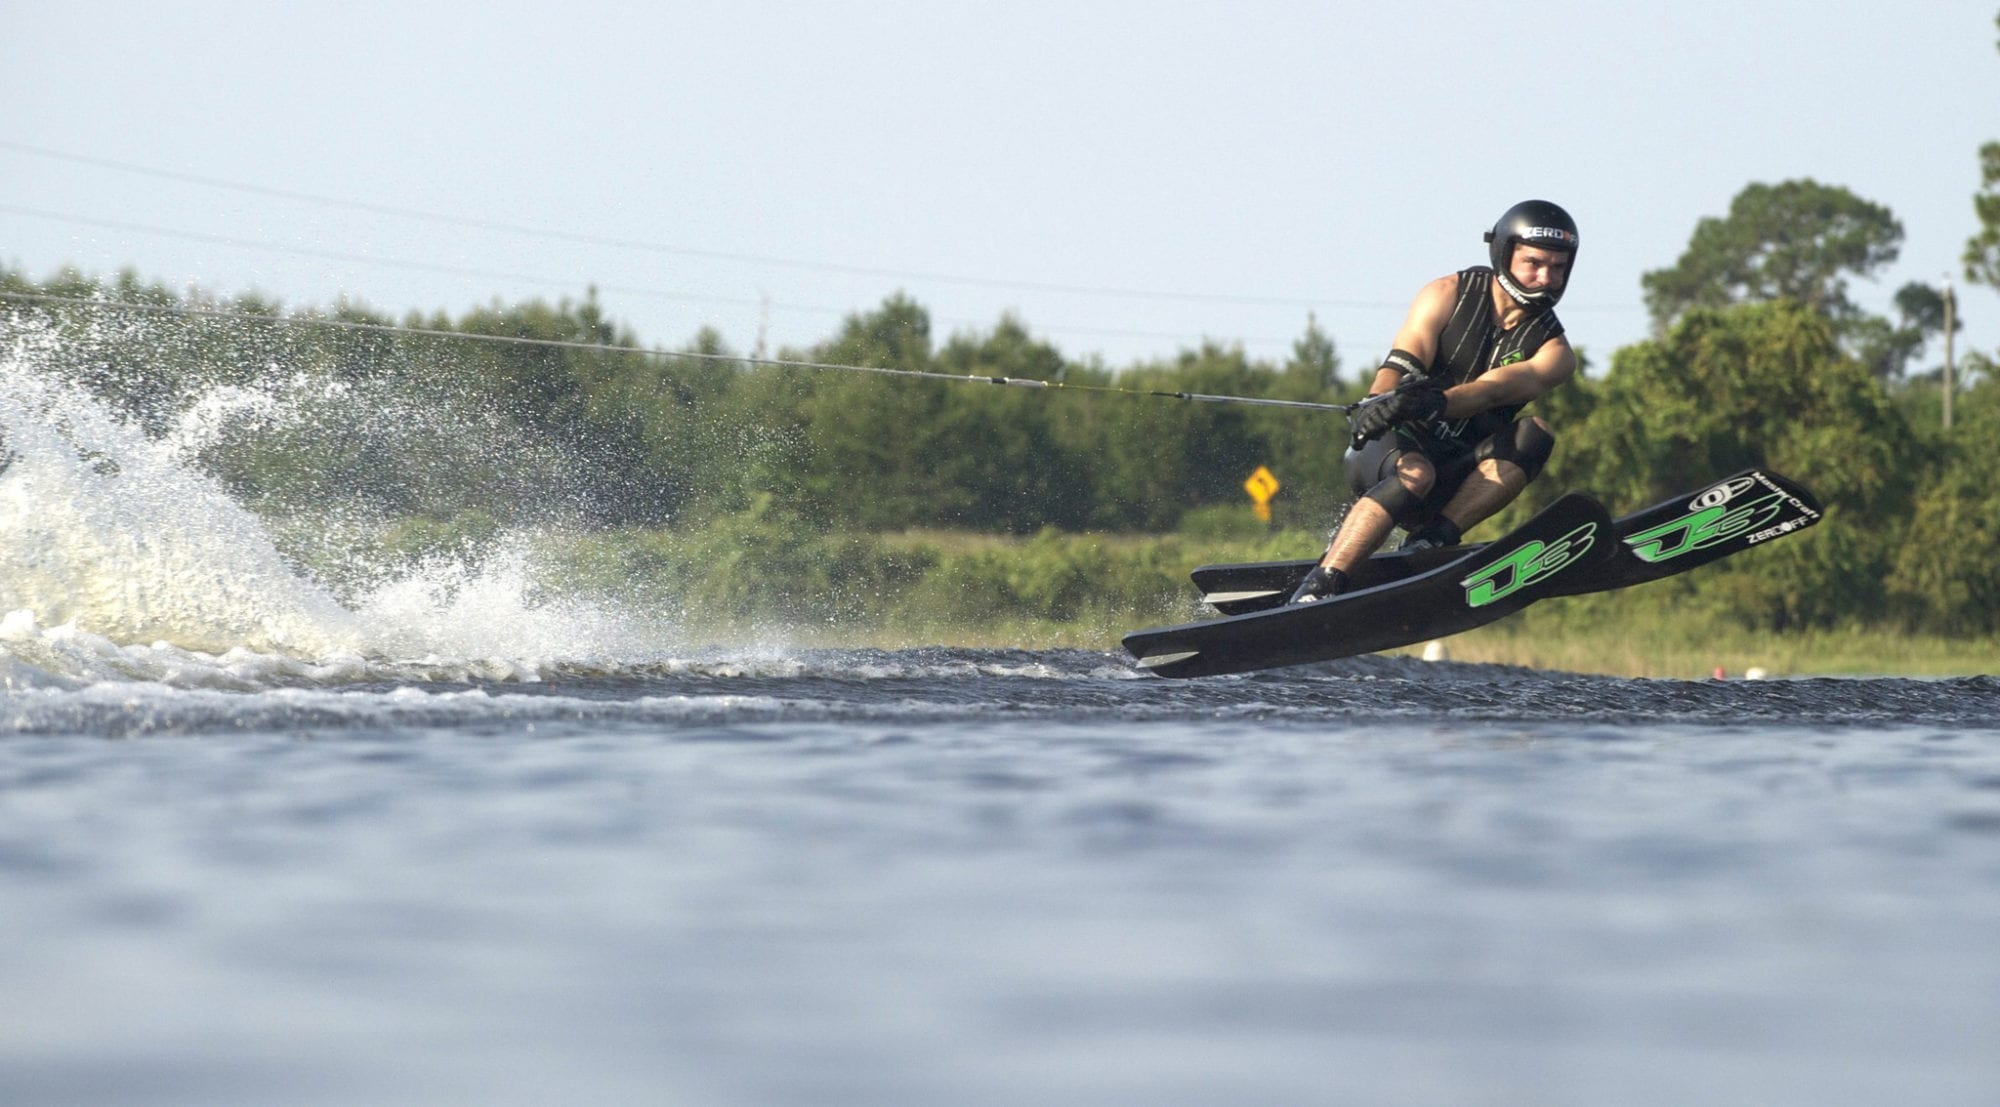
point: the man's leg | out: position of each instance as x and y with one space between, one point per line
1409 478
1506 462
1490 486
1371 518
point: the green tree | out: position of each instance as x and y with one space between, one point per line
693 446
1014 469
1944 574
1887 347
1982 250
1151 460
1314 368
547 390
872 440
1758 385
1304 448
1797 240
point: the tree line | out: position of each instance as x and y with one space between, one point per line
619 437
431 430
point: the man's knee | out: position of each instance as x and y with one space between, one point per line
1416 473
1402 491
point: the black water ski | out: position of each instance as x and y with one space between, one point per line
1571 536
1730 516
1262 585
1690 530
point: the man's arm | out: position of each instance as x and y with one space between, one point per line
1419 334
1518 383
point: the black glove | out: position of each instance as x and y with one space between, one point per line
1416 401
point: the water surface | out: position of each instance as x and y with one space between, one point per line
992 877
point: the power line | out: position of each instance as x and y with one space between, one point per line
371 259
604 348
524 278
666 248
586 238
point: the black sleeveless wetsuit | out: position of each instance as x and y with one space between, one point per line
1471 343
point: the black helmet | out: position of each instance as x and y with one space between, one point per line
1531 223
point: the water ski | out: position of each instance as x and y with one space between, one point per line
1673 536
1468 587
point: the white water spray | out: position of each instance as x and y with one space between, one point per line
123 558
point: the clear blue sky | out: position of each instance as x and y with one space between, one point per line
1069 162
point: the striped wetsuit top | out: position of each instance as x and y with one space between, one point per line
1473 342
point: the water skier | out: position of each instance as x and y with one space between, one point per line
1447 447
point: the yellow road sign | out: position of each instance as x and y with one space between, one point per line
1261 485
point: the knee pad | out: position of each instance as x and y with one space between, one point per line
1523 443
1371 473
1373 461
1395 499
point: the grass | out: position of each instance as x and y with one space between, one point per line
1618 652
1672 653
1058 590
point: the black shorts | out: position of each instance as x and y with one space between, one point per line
1454 459
1375 462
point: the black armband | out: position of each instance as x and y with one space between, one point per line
1408 364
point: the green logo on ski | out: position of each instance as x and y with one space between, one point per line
1705 527
1532 562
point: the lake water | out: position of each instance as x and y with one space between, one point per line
940 876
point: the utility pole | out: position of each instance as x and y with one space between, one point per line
1948 305
764 321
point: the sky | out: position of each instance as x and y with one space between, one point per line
1128 179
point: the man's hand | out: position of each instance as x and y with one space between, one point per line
1416 401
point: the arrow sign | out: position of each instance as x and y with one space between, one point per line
1262 485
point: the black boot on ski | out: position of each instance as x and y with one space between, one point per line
1435 536
1322 583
